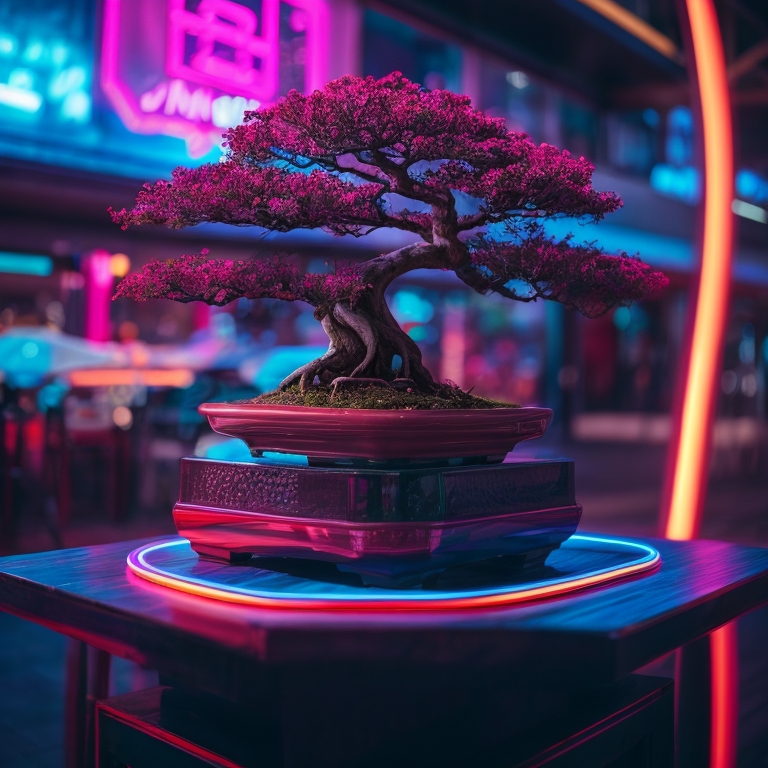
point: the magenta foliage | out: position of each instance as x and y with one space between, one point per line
545 181
336 158
578 276
216 281
343 284
269 197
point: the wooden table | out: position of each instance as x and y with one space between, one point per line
264 658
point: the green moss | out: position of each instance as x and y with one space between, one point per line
372 397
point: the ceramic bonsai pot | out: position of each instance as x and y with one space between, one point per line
401 436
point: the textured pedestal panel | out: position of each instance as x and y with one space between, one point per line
390 526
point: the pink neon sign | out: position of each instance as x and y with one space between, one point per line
99 284
190 68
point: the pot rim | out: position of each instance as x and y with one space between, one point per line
225 409
378 435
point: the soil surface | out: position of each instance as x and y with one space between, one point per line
372 397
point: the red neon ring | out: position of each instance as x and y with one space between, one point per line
648 560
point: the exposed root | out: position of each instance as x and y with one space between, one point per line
339 380
403 383
363 329
363 342
313 365
311 372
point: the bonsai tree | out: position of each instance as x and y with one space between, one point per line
364 154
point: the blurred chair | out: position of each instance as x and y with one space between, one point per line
83 428
11 419
21 455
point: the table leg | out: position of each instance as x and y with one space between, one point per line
692 704
87 679
75 704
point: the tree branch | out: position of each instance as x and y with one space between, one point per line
382 270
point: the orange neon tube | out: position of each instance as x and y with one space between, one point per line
688 484
687 495
114 377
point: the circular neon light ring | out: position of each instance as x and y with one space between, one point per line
305 594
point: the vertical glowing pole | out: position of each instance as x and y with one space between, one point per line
99 282
687 493
201 316
724 665
688 484
453 345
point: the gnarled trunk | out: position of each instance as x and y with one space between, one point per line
366 338
364 343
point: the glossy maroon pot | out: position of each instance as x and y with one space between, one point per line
378 435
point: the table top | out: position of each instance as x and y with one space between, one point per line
599 635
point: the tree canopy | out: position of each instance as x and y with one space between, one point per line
364 154
353 157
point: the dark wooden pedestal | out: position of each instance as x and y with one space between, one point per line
627 725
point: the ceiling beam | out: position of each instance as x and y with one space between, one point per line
747 61
749 16
658 95
754 97
665 96
637 27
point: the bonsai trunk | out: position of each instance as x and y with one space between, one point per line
366 339
364 342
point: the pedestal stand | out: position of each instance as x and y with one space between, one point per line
391 524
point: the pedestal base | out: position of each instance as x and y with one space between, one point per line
391 527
